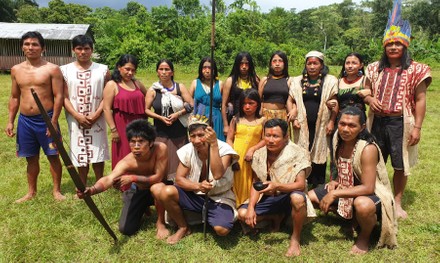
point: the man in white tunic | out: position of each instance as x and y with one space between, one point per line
84 82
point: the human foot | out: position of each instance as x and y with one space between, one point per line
400 213
162 231
294 249
25 198
58 196
181 233
360 247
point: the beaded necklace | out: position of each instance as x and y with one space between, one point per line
307 84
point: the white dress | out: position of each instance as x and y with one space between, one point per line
86 93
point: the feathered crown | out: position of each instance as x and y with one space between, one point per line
197 119
397 30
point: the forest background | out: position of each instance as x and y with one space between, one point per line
181 32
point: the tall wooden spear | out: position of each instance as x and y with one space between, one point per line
211 95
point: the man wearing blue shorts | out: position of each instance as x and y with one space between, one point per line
193 183
47 81
282 166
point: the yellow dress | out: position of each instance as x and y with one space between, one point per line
246 136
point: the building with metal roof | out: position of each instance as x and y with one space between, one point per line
57 38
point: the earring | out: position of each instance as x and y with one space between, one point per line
360 73
344 73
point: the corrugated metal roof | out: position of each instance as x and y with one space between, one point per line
48 31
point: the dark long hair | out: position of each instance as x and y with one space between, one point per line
405 60
352 54
124 59
283 56
169 63
213 67
251 94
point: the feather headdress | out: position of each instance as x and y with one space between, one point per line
397 30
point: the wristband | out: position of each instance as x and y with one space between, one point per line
417 127
113 129
133 178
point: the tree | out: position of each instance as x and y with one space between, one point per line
189 8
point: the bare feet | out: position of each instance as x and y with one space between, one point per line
58 196
25 198
400 213
181 233
294 248
162 231
359 249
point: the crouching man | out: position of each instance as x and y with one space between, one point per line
362 190
140 169
282 166
192 183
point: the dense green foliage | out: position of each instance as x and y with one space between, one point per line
182 31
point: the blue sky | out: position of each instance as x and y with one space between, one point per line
265 5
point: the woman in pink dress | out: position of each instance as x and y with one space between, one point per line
124 101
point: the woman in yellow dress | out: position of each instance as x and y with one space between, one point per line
245 135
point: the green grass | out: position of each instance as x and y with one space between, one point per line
48 231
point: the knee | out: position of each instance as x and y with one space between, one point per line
221 231
364 206
155 189
242 214
297 201
168 192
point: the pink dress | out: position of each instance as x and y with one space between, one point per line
127 107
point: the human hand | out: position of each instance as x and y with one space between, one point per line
291 116
375 105
326 202
249 155
166 120
115 136
331 103
330 127
83 121
87 192
414 136
251 217
9 130
332 185
124 181
296 124
173 117
54 125
271 188
210 136
205 186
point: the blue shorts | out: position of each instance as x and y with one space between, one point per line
31 135
217 214
278 204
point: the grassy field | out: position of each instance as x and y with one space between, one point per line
47 231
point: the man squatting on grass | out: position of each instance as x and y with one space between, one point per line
32 133
143 167
362 190
192 185
283 166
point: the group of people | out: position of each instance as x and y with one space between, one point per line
267 145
